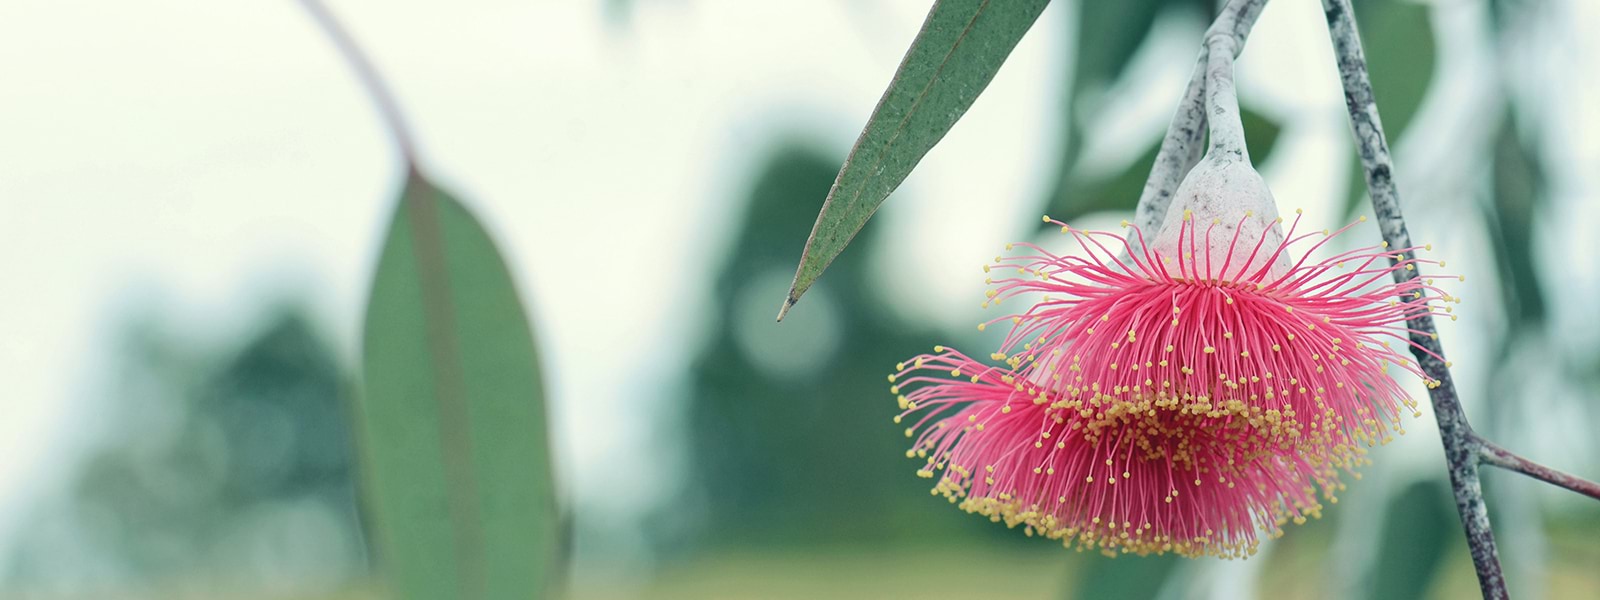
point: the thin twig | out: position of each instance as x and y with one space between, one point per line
1226 129
368 74
1460 443
1181 148
1492 454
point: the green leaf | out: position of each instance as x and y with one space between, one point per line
1120 191
1398 39
1109 33
1518 196
452 417
955 55
1419 530
1123 577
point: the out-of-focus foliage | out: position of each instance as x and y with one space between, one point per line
221 467
1419 531
1123 577
452 414
789 424
1398 38
1109 34
1516 197
958 51
1120 191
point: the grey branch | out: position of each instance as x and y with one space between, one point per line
368 74
1492 454
1181 148
1460 443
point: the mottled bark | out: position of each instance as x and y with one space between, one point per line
1492 454
1460 443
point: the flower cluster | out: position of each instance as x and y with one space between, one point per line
1180 396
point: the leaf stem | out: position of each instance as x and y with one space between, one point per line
1493 454
1461 444
381 95
1181 148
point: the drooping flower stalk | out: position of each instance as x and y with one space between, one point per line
1182 146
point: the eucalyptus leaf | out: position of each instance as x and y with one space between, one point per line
1109 33
1516 199
452 419
1122 577
1419 530
953 58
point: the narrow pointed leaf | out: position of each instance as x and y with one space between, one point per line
452 419
953 58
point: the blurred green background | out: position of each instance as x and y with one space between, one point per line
195 197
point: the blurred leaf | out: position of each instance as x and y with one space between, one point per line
228 456
1120 191
1123 577
618 13
453 418
955 55
1109 33
1502 13
1420 529
1398 38
1516 197
766 403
